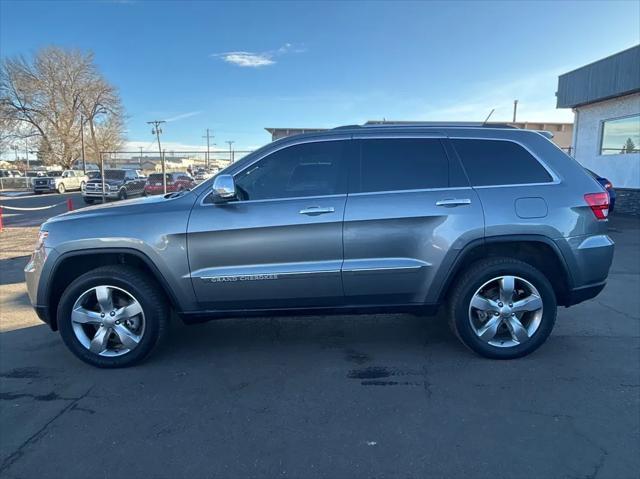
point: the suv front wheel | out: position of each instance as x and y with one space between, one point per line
112 316
502 308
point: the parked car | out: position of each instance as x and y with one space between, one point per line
119 184
492 222
93 174
59 181
607 186
175 182
6 174
202 174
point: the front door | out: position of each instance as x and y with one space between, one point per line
279 245
408 208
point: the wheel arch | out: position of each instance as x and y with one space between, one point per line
538 251
74 263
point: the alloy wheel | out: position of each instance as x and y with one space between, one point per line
506 311
108 321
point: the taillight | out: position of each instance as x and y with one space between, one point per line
599 204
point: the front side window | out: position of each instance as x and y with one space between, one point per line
499 162
309 169
621 136
403 164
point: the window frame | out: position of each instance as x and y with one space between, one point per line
554 177
601 139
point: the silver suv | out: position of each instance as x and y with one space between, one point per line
496 223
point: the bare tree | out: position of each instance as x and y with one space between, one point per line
52 93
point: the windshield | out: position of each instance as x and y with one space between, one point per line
114 174
54 173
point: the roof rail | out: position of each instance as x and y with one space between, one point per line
346 127
436 124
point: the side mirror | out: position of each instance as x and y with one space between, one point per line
224 188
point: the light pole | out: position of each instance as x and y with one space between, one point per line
231 142
156 130
84 165
15 150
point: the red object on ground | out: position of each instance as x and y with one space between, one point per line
69 204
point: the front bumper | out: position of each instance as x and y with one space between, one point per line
45 188
98 194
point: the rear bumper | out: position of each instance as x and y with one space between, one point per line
578 295
588 260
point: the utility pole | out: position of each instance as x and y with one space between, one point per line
26 152
15 150
515 109
164 174
140 159
84 166
230 151
104 198
156 130
208 137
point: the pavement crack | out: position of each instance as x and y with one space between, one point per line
52 396
611 308
36 436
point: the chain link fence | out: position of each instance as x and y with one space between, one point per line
174 161
147 162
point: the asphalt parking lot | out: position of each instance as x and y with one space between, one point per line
371 396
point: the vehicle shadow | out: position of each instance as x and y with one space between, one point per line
11 270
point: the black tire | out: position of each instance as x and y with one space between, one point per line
122 194
38 192
477 275
148 294
82 185
88 201
61 188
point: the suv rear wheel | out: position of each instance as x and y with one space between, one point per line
61 188
112 316
502 308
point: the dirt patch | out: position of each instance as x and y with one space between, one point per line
15 242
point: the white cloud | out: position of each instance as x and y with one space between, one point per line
247 59
257 59
182 116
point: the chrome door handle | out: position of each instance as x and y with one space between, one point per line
316 210
451 202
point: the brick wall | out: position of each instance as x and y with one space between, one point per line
627 201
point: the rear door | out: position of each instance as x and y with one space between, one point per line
409 209
279 245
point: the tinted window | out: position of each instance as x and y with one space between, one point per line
495 162
403 164
310 169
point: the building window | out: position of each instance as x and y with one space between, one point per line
621 136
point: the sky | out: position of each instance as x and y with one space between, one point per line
238 67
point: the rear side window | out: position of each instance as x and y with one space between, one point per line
403 164
498 162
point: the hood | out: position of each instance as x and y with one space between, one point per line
119 208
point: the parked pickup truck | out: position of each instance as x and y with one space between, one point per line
118 185
59 181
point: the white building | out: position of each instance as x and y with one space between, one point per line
605 98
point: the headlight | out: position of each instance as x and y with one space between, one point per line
53 182
42 236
